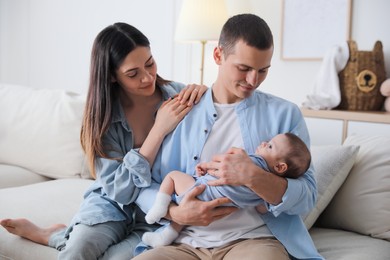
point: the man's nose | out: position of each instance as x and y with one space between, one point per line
252 77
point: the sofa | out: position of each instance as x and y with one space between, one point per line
43 176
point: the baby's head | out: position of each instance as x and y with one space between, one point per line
286 155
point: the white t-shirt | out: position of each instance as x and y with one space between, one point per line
225 133
243 223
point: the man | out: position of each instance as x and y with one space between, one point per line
233 114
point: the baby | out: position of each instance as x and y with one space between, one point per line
285 155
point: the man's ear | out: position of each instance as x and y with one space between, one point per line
113 79
218 55
280 168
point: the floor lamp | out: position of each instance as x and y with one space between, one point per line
201 21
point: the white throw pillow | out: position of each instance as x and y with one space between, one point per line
362 204
332 164
40 130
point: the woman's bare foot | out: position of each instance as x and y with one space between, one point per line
25 228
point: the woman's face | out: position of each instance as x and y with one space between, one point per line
137 73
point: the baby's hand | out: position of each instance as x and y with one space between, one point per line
261 208
200 171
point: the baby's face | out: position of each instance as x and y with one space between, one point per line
272 150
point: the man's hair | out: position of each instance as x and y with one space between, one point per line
298 157
249 28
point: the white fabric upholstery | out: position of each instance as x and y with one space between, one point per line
13 176
362 204
40 130
336 244
332 164
45 203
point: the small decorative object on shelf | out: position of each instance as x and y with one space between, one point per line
361 79
385 90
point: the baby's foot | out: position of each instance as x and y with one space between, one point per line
163 238
26 229
155 214
159 208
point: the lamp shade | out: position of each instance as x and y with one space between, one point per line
201 20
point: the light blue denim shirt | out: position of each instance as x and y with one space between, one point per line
261 116
111 196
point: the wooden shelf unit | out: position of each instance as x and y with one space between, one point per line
380 117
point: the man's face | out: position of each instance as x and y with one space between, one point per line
242 71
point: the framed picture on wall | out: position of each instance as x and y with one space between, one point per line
311 27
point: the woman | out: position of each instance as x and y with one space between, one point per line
129 110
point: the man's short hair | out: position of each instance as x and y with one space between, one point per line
249 28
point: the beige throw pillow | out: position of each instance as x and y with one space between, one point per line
332 164
40 131
362 204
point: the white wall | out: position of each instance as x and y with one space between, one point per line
47 43
293 79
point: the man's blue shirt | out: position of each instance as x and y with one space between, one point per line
260 116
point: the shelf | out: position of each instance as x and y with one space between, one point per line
362 116
379 117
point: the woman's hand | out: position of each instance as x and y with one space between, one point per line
195 212
191 94
173 110
169 115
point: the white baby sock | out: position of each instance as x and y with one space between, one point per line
159 208
163 238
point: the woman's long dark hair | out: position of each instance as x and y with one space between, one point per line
110 48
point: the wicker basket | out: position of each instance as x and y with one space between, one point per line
361 79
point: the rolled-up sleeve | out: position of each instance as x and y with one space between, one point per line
122 180
138 167
299 198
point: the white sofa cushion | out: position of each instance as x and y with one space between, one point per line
335 244
13 176
40 130
332 164
45 203
362 204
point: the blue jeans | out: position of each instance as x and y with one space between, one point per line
110 240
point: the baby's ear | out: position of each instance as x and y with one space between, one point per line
280 168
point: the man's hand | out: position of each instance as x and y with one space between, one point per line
236 168
229 168
195 212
